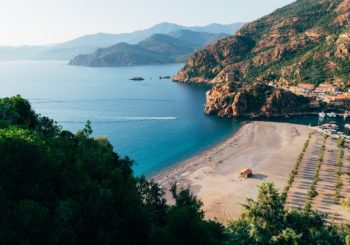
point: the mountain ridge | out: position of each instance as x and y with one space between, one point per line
174 47
91 42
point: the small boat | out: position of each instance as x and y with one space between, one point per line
137 79
347 126
165 77
322 114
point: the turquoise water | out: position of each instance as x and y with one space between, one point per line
156 122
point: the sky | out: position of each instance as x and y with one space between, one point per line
39 22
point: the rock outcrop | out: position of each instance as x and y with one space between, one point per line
253 100
306 41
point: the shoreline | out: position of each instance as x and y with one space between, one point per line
178 164
249 119
182 163
298 114
270 149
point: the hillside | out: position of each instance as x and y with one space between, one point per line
119 54
197 38
167 45
157 49
306 41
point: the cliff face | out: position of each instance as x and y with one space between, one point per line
253 100
306 41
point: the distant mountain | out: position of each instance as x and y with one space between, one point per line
218 28
120 54
157 49
166 45
197 38
104 39
90 43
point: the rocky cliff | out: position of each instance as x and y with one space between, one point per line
306 41
253 100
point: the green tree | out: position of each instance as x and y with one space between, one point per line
185 224
266 221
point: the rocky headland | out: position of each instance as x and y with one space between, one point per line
253 100
307 41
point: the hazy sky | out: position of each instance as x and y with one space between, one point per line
52 21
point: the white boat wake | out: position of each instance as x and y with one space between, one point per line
143 118
124 119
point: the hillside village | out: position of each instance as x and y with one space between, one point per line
329 93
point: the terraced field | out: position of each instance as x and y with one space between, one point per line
325 180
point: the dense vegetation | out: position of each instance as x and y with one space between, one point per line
266 221
57 187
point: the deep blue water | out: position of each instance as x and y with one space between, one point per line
155 122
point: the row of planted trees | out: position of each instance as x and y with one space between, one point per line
312 193
295 170
59 187
344 201
339 167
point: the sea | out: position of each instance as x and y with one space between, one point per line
155 122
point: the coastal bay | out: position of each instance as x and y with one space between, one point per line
270 149
112 132
130 113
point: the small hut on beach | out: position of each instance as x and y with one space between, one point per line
246 173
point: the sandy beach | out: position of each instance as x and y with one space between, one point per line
269 149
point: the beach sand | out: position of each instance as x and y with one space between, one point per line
269 149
